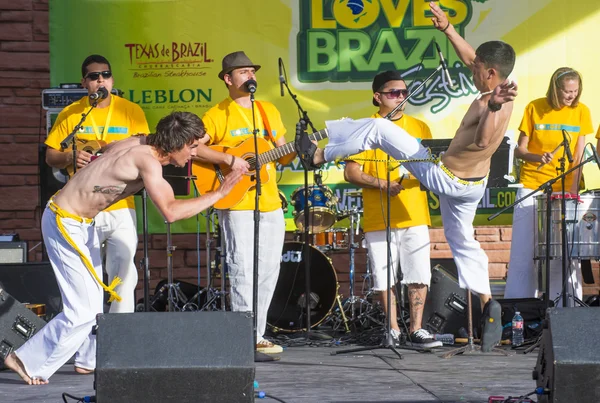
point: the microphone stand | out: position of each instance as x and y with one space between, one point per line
144 263
258 356
72 138
305 237
388 342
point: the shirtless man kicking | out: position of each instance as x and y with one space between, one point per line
72 244
459 176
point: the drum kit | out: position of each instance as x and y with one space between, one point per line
328 308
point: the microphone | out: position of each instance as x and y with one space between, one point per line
251 86
567 148
443 63
596 157
102 93
281 78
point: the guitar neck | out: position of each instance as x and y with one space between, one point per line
288 148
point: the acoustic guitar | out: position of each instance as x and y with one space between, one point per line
90 146
209 176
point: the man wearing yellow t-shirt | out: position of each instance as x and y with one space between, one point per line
114 118
409 214
229 123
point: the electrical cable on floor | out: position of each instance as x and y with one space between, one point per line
85 399
262 395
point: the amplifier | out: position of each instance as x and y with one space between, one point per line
59 98
13 252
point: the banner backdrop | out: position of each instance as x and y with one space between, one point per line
166 55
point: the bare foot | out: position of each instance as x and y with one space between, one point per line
83 371
38 381
319 157
13 362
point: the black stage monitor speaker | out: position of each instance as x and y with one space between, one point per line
175 357
446 305
17 324
32 283
568 364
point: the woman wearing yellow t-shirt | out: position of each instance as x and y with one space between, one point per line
541 129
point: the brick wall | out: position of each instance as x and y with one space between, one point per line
24 72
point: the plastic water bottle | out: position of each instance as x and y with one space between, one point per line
517 329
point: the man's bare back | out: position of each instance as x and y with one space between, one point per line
465 158
115 176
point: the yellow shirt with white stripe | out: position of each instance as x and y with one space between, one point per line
409 208
124 119
543 125
229 124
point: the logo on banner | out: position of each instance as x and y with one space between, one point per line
172 59
345 42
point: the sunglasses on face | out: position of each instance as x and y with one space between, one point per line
395 94
95 75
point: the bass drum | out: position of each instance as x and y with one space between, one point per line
287 310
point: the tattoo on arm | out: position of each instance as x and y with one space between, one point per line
109 190
371 180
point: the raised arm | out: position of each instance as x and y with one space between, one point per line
465 52
161 192
495 117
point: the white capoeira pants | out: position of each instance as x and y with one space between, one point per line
117 231
522 279
410 246
70 330
238 234
458 198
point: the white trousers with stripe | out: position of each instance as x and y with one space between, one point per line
117 231
458 200
70 330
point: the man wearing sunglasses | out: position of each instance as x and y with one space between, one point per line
409 217
114 118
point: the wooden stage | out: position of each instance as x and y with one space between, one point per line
311 374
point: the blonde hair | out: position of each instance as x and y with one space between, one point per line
556 83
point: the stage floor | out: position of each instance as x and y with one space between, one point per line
312 374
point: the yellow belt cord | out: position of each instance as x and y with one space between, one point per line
436 160
60 213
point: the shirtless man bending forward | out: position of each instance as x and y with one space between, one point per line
459 176
67 226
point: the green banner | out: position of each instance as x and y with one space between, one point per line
166 55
